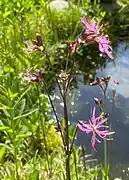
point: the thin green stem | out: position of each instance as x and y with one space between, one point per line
74 135
66 123
105 141
68 177
75 164
65 138
54 111
84 160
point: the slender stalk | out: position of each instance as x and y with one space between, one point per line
74 135
105 142
65 138
84 160
75 163
66 123
54 111
68 177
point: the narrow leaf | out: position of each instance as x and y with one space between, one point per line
24 115
2 152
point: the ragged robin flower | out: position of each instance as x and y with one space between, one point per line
96 126
91 33
104 46
91 30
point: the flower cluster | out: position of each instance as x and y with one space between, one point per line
34 76
91 30
96 126
91 34
102 82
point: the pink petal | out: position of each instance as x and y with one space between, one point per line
85 22
105 133
100 135
101 48
93 22
109 54
103 40
93 119
93 142
85 125
97 140
108 133
101 122
93 114
103 126
83 128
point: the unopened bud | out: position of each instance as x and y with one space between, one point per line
98 101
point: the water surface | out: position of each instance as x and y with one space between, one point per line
82 101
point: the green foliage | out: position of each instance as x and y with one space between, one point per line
30 146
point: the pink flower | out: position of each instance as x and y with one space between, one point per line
91 30
90 27
104 46
96 126
91 33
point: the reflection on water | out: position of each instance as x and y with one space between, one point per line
82 102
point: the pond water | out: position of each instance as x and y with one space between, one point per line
81 100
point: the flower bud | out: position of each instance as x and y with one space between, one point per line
98 101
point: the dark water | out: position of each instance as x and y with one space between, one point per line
81 102
118 112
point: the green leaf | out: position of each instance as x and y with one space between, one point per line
23 135
31 127
3 91
21 106
11 94
34 175
71 131
3 128
18 4
22 96
24 115
24 60
103 13
5 107
7 113
6 14
2 152
63 122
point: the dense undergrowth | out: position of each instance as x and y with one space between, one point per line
30 145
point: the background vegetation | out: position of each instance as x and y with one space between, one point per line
30 146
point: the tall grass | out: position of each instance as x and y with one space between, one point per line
30 146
